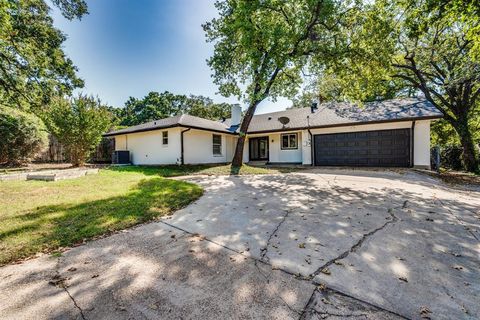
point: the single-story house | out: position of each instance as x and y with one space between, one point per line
392 133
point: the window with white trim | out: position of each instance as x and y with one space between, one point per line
289 141
164 137
217 145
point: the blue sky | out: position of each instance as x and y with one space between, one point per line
128 48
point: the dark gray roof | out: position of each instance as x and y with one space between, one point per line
183 120
333 114
327 115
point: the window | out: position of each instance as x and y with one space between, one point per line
289 141
165 137
217 145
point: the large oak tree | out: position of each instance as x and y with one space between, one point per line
33 65
261 47
408 47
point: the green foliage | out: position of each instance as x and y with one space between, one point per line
78 125
33 65
262 46
403 48
23 136
450 157
156 106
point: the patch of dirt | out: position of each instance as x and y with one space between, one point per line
457 177
41 166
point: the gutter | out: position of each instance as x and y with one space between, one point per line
111 134
182 158
412 141
312 147
348 124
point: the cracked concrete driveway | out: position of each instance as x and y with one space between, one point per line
312 245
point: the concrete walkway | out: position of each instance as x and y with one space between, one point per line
311 245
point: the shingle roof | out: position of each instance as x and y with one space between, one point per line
328 115
184 120
337 114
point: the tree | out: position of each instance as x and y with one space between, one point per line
414 47
78 124
156 106
33 65
262 45
23 136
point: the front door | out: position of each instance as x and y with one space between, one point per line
258 148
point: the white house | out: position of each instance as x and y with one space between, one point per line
393 133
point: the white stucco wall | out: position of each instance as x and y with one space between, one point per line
198 147
421 147
121 142
275 152
147 148
231 145
365 127
306 148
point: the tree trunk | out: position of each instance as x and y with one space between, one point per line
469 153
238 156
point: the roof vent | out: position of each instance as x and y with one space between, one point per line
313 107
154 122
284 120
269 118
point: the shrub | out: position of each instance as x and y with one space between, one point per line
78 124
22 136
451 157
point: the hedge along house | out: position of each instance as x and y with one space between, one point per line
393 133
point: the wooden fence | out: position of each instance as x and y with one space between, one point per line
56 152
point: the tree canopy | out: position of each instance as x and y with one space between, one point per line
411 47
261 47
156 106
78 124
33 65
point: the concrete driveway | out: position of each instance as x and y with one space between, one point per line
312 245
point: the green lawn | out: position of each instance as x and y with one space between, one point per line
40 216
174 170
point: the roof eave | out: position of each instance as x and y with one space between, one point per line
112 134
350 124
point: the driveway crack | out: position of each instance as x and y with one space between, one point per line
460 221
59 281
357 245
264 250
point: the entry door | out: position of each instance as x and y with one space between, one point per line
258 148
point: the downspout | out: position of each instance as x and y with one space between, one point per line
412 141
182 158
312 145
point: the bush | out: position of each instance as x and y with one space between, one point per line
22 136
78 125
451 157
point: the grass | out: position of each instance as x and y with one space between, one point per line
38 216
175 171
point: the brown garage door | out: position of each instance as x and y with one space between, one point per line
383 148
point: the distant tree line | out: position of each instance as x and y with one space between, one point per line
156 106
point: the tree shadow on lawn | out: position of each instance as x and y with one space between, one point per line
166 170
205 169
49 227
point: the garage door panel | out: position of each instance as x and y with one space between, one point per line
365 148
